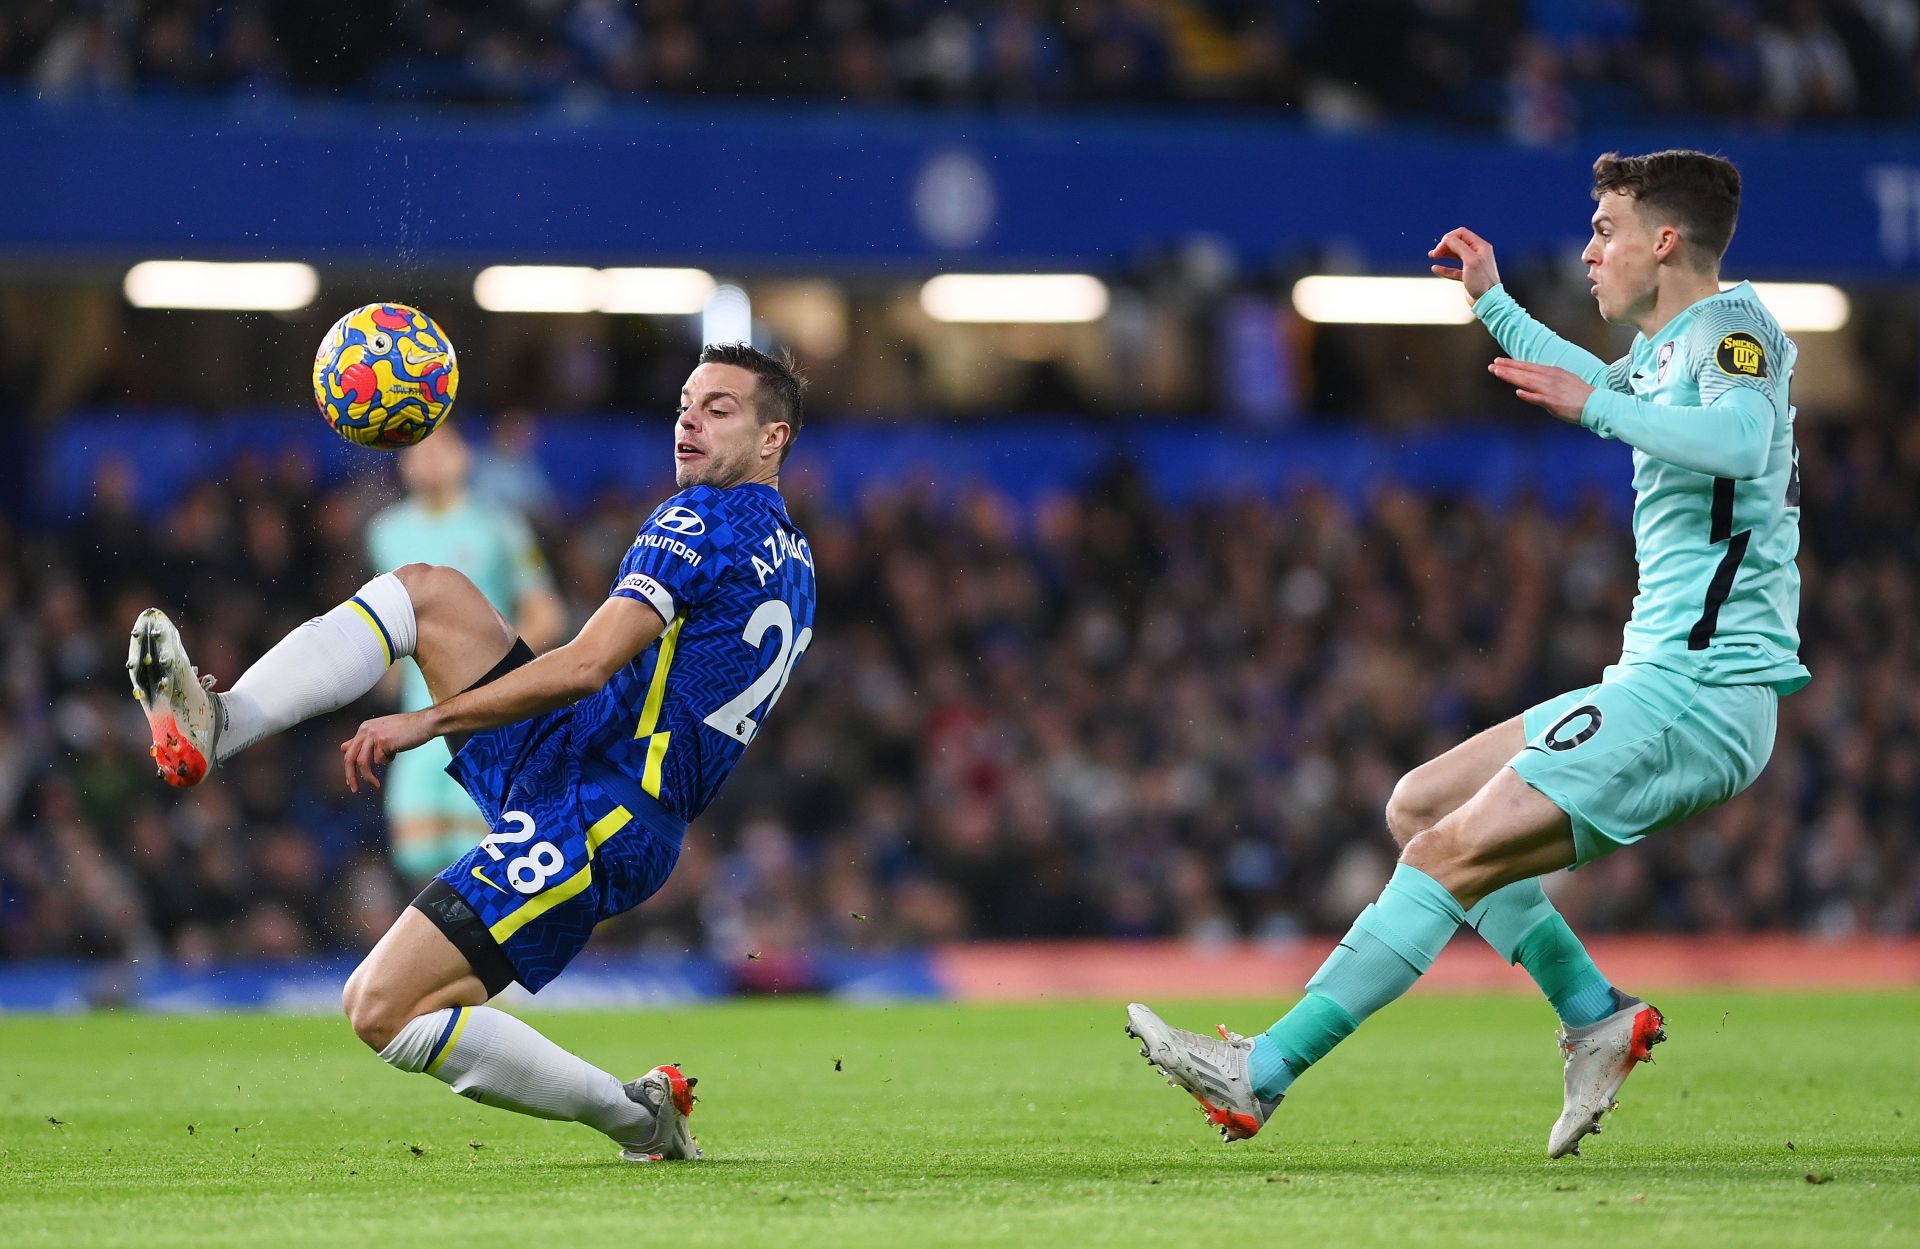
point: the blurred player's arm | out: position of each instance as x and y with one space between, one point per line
538 612
540 618
1518 333
620 630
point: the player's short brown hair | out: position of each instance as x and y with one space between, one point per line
1696 192
778 393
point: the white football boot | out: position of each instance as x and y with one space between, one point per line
1214 1071
669 1095
181 712
1599 1058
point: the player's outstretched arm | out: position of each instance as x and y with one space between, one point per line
621 629
1729 437
1518 334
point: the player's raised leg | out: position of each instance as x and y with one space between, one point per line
1517 920
418 1002
432 613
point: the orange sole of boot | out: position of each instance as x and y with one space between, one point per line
181 765
1649 1029
679 1088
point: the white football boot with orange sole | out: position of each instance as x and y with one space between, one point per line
181 712
1600 1056
1214 1070
669 1095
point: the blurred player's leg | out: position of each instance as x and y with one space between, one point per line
1518 921
431 818
417 1001
421 847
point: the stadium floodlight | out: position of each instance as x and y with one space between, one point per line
1334 299
538 288
727 318
1015 298
272 286
661 292
1803 307
577 288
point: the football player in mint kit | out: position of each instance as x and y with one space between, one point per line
1681 724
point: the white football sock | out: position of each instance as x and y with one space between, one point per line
322 666
498 1060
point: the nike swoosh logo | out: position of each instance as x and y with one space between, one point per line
482 878
1542 751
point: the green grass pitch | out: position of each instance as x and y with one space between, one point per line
1768 1120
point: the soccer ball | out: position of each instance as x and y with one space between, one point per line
384 376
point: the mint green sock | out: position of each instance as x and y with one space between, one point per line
1523 927
1389 947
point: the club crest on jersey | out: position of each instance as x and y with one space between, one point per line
1666 358
682 521
1741 355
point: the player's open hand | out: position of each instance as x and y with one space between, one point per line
1544 386
1477 272
375 744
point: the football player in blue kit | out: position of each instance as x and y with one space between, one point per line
588 761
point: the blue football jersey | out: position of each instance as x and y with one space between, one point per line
733 578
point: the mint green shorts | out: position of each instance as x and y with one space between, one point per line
417 787
1643 750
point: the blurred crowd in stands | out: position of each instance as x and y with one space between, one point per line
1535 68
1097 716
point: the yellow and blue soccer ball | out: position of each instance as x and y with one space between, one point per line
385 376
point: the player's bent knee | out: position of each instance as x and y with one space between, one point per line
1467 864
376 1017
1413 806
414 577
448 604
430 583
1447 852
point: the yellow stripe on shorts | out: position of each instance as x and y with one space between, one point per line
533 908
605 827
656 757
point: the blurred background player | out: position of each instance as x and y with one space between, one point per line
430 818
1686 719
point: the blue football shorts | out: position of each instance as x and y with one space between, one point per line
568 846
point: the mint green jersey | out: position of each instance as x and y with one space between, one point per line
1716 513
492 545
